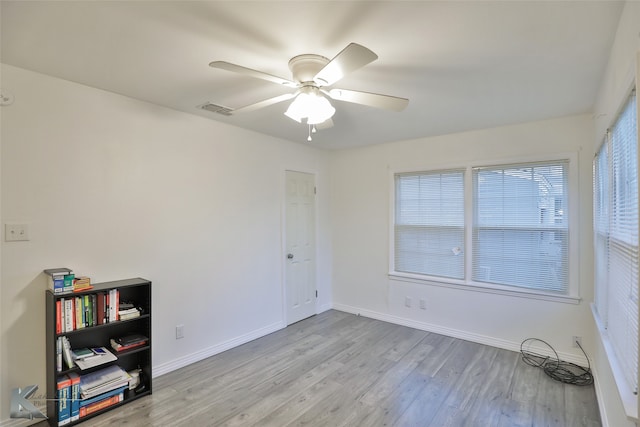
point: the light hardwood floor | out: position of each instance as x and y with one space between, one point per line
337 369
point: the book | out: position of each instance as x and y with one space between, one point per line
81 283
101 300
113 305
56 284
102 381
131 313
131 339
96 359
102 404
119 347
63 319
114 392
58 317
68 282
58 271
66 352
82 353
75 395
77 302
59 354
69 316
62 394
94 313
87 311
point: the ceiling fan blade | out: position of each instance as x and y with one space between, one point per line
223 65
385 102
265 103
351 58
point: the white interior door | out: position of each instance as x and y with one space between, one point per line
300 287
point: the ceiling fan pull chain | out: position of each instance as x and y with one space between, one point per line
309 138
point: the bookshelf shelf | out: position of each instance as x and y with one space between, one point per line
135 290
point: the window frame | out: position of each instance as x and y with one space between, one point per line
573 202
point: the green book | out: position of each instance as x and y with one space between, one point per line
68 282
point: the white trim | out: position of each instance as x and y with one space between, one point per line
324 307
183 361
628 399
450 332
23 422
573 200
482 287
599 393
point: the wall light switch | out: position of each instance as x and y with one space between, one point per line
16 232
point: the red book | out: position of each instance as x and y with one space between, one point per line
117 304
130 346
58 317
100 303
101 404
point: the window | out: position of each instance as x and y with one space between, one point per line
616 239
520 230
429 228
499 227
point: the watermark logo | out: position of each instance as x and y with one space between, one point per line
21 407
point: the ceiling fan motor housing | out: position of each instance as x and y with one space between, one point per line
305 67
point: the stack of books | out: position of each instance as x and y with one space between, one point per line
128 342
102 388
81 395
130 313
60 280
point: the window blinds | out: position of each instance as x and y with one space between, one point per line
616 238
520 227
429 223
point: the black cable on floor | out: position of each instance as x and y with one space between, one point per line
566 372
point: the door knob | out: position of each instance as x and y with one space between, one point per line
289 256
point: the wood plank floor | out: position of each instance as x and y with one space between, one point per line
337 369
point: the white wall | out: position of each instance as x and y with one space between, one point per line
361 199
622 71
116 188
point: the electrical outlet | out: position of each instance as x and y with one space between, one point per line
407 301
179 332
575 340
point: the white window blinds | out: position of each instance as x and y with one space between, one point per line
616 238
429 223
520 227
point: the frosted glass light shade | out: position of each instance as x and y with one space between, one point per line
312 106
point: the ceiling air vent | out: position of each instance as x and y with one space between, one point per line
225 111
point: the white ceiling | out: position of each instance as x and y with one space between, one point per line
463 65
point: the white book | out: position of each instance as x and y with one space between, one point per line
96 360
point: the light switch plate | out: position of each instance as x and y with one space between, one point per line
16 232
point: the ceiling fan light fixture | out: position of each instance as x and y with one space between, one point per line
311 105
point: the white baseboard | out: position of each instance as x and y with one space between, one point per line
324 307
23 422
450 332
183 361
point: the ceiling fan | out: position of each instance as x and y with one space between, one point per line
312 77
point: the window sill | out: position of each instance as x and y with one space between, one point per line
628 398
483 287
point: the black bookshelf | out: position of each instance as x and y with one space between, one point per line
136 290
